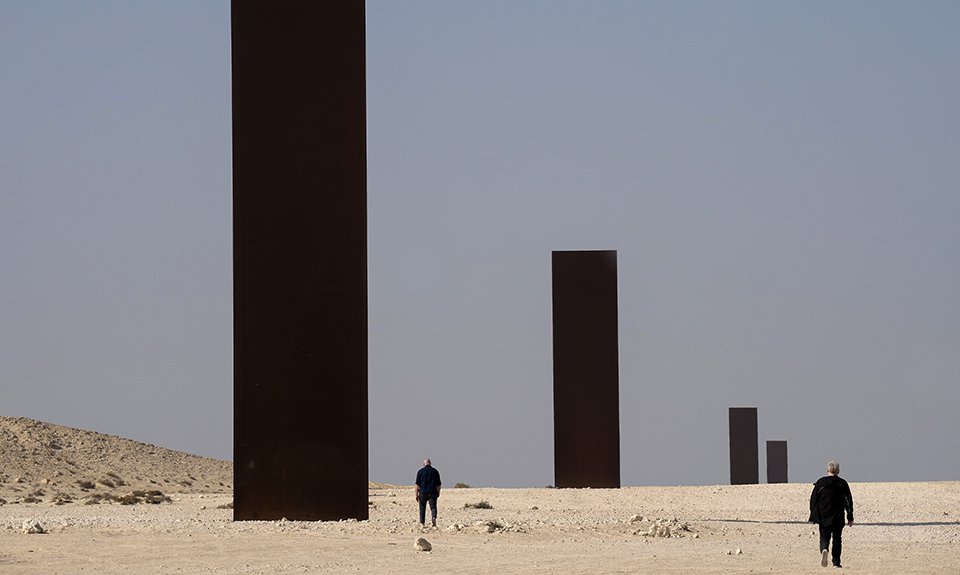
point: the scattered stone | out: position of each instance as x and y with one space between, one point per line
493 526
534 508
729 552
636 518
487 526
665 528
739 552
422 545
696 536
32 527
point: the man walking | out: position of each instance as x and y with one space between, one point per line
427 490
830 498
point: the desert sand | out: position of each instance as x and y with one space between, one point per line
901 527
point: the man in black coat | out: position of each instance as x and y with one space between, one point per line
428 489
830 498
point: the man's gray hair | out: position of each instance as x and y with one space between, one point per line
833 467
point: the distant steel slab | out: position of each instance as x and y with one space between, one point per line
300 267
586 386
744 446
776 461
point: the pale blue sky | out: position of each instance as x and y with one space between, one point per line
781 181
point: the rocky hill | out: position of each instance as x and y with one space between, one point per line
45 463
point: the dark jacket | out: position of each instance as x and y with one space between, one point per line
428 480
831 496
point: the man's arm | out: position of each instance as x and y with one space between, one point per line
848 503
814 500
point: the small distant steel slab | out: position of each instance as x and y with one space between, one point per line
744 446
586 386
776 461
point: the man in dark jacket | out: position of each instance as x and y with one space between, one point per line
428 489
830 498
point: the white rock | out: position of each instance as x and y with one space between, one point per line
422 545
739 552
636 518
32 527
659 530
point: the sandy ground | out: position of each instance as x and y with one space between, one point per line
902 528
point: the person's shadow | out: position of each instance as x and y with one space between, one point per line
863 524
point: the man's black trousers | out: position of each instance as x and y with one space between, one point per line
432 498
826 531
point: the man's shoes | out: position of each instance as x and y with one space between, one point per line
838 566
434 521
824 557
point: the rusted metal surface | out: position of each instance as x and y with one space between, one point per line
300 263
776 461
744 447
586 387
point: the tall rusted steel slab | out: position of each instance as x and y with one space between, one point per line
744 455
586 381
776 461
300 260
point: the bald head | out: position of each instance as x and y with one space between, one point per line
426 461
